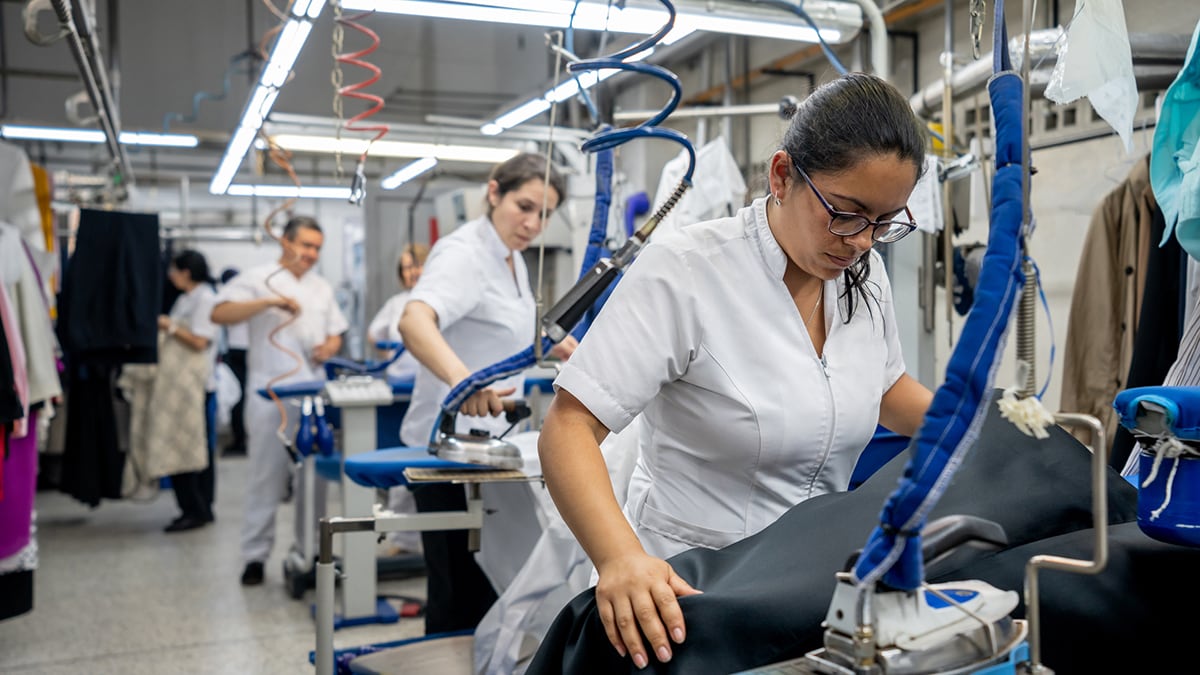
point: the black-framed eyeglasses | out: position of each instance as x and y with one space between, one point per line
846 224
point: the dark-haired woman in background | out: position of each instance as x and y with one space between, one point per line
761 351
190 324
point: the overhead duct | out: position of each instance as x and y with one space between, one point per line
1156 60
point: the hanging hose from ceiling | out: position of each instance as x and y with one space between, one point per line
597 275
283 159
358 185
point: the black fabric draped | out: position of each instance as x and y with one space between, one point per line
108 316
764 598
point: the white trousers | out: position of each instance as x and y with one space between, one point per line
271 470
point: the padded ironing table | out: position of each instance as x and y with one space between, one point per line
387 468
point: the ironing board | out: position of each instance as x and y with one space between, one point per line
1166 422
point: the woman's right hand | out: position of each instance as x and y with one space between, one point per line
486 402
636 596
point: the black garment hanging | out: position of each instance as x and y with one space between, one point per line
108 316
1160 323
112 289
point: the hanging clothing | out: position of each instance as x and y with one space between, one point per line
16 355
18 195
1105 303
718 188
112 288
32 312
1159 327
1175 163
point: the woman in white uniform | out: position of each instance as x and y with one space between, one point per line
760 350
472 308
189 322
385 327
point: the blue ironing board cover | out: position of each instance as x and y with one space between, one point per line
1181 403
400 387
384 468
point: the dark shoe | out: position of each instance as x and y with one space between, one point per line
184 523
253 574
233 450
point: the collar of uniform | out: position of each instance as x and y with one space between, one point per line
772 254
491 239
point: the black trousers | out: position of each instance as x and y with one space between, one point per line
458 593
196 490
236 360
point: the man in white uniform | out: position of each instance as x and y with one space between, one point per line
265 297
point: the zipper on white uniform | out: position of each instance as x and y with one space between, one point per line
832 424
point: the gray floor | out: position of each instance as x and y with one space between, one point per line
114 594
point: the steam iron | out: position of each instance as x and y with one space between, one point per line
478 446
951 628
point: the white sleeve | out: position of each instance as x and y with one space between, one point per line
645 337
335 321
200 322
891 332
240 288
450 282
383 326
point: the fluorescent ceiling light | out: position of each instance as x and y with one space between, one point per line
289 191
355 147
18 132
312 9
408 172
287 48
839 21
283 56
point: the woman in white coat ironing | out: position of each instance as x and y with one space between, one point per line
472 308
761 351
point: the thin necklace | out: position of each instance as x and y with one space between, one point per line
813 313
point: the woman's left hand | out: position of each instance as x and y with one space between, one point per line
565 349
164 322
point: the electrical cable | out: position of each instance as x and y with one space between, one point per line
236 65
798 10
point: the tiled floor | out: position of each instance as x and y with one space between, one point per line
114 594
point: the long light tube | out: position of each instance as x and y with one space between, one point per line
840 21
408 172
19 132
289 191
274 75
355 146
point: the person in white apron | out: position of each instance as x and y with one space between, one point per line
472 308
265 297
761 351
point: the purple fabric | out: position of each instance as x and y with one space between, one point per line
20 484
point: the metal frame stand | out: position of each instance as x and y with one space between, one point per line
470 519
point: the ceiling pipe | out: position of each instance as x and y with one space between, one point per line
76 25
1153 54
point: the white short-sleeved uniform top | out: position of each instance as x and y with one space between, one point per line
319 318
485 312
194 309
741 418
385 327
